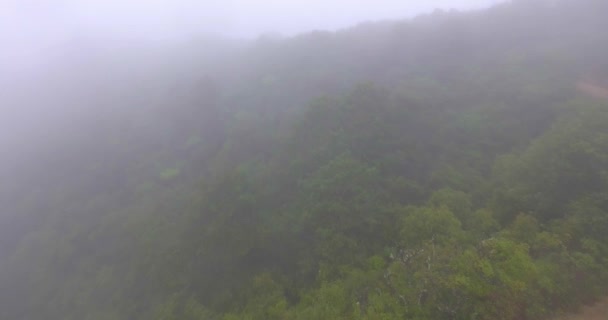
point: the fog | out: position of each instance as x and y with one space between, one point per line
159 19
302 159
49 47
33 30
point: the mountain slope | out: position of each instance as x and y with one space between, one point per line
444 167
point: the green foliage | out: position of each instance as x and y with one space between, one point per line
443 168
563 165
169 173
434 224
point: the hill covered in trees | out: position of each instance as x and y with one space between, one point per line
450 166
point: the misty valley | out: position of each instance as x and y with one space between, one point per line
450 166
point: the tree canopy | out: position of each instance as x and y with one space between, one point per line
448 166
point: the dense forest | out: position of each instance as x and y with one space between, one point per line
450 166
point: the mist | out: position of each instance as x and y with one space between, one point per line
54 50
162 19
286 160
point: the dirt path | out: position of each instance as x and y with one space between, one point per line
593 89
597 312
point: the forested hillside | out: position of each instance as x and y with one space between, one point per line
450 166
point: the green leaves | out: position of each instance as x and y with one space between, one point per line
430 224
169 174
563 165
276 186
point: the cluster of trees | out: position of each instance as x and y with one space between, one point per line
444 167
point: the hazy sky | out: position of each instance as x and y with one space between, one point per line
167 18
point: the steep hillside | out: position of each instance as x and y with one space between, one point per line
451 166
